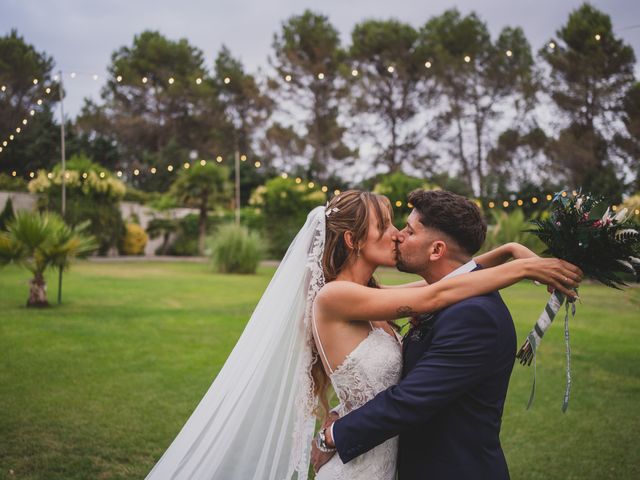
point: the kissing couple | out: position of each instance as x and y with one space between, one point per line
426 405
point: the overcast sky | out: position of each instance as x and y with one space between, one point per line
82 34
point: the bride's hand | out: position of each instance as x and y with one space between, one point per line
553 272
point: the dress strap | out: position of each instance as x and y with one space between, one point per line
317 336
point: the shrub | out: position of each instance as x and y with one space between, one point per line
396 187
285 205
235 250
92 194
511 227
135 239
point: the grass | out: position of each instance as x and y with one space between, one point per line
98 387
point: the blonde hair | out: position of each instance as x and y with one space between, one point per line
348 212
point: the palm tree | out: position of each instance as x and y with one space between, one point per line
162 227
201 187
40 241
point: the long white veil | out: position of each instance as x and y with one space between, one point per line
256 420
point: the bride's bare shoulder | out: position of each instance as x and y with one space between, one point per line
336 290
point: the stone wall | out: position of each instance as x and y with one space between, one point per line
144 214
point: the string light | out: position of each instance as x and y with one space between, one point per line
102 174
198 81
47 90
398 203
467 58
171 80
324 189
597 37
491 204
186 165
257 164
170 168
534 200
336 192
298 180
153 170
519 202
219 159
311 184
119 78
287 78
203 162
427 64
3 88
145 79
505 204
390 69
354 72
549 197
321 76
552 45
35 81
119 174
284 175
243 158
509 53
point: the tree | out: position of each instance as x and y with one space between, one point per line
26 74
628 141
7 214
38 242
202 187
247 109
590 72
388 85
159 105
480 80
308 59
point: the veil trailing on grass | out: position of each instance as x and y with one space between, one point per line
256 420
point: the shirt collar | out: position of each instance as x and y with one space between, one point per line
466 268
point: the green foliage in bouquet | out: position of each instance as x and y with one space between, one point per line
604 248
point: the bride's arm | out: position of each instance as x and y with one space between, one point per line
349 301
492 258
504 253
419 283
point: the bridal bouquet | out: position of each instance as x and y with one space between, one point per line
604 248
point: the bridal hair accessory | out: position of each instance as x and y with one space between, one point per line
329 211
602 247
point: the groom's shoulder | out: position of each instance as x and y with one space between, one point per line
489 305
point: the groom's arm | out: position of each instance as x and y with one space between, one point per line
463 343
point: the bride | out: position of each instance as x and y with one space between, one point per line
257 419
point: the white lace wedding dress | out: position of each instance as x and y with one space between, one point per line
374 365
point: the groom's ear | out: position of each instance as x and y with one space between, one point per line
437 250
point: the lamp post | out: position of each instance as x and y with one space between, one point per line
237 162
64 180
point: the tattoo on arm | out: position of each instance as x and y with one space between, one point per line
405 311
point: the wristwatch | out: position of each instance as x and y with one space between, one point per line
321 442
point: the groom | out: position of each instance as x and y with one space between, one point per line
447 408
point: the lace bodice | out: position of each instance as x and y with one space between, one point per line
374 365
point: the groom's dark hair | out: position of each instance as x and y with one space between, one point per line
456 216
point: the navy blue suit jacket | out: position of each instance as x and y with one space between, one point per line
447 408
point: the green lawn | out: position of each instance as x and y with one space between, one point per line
98 387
